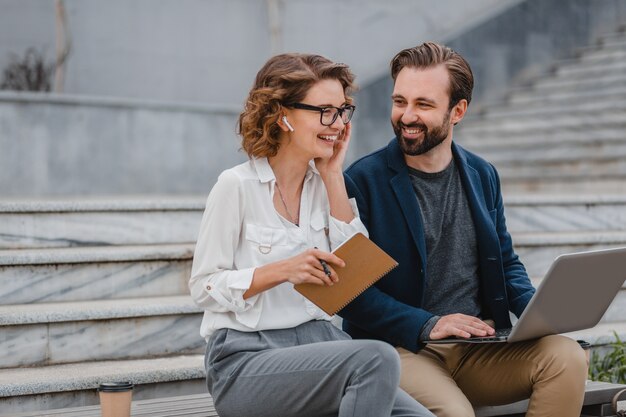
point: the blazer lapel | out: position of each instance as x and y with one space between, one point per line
470 178
402 188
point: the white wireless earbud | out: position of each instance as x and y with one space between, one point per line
291 129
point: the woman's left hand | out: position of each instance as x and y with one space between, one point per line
334 164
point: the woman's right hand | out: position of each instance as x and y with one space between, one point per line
306 268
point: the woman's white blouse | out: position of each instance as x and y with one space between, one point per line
240 231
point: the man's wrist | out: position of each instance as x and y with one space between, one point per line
428 327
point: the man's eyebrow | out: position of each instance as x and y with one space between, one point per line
419 99
426 100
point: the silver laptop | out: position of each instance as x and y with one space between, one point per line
574 295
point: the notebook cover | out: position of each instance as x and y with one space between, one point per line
366 263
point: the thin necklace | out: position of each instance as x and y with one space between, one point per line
292 219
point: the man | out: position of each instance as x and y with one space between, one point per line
437 209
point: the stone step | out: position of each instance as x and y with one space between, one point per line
196 405
573 88
528 125
595 53
531 97
89 222
613 63
592 78
90 273
567 153
513 185
541 138
565 213
613 40
56 333
502 114
604 167
537 250
71 385
541 106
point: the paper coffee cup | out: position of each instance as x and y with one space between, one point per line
115 398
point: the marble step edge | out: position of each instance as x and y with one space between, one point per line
43 313
92 254
535 158
564 199
529 96
555 122
87 375
492 113
541 137
592 54
562 166
577 82
530 100
611 60
541 184
104 203
195 405
613 38
603 166
594 73
573 238
606 121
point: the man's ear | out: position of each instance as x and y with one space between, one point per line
458 111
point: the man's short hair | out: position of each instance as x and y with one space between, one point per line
430 54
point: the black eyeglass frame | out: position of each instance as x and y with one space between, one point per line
340 111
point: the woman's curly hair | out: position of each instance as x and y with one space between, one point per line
285 78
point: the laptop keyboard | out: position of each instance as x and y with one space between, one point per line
503 332
500 333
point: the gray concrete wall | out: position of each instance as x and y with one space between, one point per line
507 50
178 51
59 145
208 51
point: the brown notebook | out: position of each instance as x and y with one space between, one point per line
366 263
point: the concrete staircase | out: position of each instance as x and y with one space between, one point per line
97 290
559 145
86 295
566 132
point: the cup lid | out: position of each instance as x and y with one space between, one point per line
115 386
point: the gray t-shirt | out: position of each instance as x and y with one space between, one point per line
452 256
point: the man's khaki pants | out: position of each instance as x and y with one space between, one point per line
449 379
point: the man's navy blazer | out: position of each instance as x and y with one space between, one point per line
391 309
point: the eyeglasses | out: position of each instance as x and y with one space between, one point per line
328 114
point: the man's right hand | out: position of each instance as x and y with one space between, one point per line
460 325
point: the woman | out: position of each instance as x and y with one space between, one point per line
267 225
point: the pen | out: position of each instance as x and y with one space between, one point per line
325 266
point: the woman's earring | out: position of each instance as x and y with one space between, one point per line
284 119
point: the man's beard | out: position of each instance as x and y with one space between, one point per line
432 138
